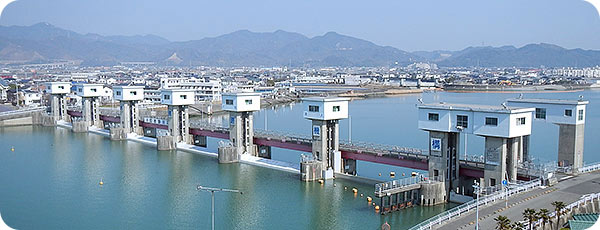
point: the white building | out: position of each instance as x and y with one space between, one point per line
3 90
205 90
30 98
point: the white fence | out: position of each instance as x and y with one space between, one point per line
589 168
21 111
471 205
582 201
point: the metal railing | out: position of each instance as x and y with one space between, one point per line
589 168
385 187
22 111
466 207
584 200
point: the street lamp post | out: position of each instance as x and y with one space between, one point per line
477 188
212 193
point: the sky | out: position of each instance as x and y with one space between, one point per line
409 25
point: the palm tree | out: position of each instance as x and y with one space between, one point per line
517 226
530 215
502 223
544 215
558 207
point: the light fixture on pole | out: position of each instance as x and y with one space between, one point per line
212 193
477 188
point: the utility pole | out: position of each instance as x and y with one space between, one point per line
212 193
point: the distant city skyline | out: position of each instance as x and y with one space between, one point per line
407 25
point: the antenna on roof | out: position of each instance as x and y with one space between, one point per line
420 100
580 97
521 96
504 105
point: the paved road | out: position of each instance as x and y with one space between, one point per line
568 191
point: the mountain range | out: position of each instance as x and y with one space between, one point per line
44 42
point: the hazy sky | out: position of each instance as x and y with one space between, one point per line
405 24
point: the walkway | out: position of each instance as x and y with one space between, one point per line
567 191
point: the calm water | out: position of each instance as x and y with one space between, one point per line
51 179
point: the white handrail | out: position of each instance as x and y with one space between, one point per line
466 207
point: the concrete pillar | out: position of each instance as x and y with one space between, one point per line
432 193
513 152
55 107
125 107
325 146
118 133
228 154
166 143
495 161
91 111
311 170
570 145
443 161
179 124
80 126
241 132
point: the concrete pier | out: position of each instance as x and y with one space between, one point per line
570 145
228 154
80 126
311 170
177 101
241 123
165 143
117 134
325 114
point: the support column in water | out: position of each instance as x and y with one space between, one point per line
325 114
240 106
90 94
177 101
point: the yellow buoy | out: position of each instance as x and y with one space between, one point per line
369 199
321 181
376 207
392 174
354 190
101 182
379 174
12 149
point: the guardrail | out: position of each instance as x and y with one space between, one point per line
383 188
21 111
589 168
466 207
584 200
